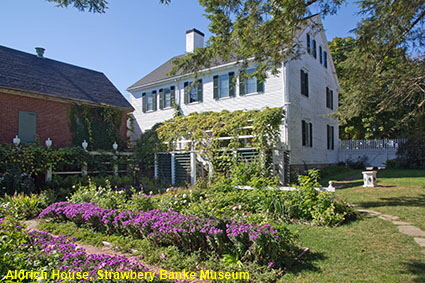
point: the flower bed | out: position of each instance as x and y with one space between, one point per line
258 243
60 257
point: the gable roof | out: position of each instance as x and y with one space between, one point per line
161 73
26 72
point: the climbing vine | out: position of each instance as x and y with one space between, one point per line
207 130
98 125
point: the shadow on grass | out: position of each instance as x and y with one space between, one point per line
395 201
401 173
347 184
417 268
306 263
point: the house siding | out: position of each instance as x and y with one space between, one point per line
272 97
312 108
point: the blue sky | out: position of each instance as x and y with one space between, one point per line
127 42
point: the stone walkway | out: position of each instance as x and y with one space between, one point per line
406 228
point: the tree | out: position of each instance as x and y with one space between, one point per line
95 6
382 72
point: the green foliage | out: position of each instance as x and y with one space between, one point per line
104 197
253 174
95 6
99 126
21 206
411 154
20 165
263 124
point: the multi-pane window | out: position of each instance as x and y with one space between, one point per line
311 46
304 82
329 98
330 135
149 101
307 133
323 55
224 85
166 97
249 85
193 92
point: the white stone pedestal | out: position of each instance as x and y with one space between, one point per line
369 179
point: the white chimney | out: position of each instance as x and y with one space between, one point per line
194 39
40 52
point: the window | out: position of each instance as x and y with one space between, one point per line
329 98
250 85
330 134
166 97
311 46
27 126
304 82
193 92
224 86
323 55
307 133
149 101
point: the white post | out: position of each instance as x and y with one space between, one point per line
173 172
155 168
84 169
115 166
49 174
192 168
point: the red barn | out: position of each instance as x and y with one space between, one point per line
36 94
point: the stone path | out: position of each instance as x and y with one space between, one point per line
406 228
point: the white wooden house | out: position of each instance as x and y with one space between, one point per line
306 88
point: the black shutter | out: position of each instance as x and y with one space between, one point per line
215 86
260 86
242 83
144 102
325 59
232 85
320 55
173 95
306 83
303 134
327 97
332 138
200 91
154 99
331 97
314 49
308 44
186 93
328 134
161 99
311 134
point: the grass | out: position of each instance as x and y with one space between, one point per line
399 192
369 250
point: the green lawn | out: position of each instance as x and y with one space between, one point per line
370 249
400 193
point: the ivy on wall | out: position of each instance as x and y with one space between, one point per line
98 125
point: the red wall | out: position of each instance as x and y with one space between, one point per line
52 119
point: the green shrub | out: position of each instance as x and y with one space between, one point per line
104 197
411 154
21 206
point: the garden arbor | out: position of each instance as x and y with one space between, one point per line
202 144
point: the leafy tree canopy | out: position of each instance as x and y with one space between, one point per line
382 71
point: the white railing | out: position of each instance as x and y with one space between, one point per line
384 144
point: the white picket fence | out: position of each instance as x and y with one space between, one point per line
376 152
